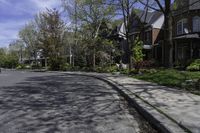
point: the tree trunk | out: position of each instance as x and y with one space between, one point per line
126 14
94 59
168 43
129 53
73 59
46 63
35 58
70 55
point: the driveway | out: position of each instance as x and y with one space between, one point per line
58 102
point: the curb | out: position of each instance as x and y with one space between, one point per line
160 121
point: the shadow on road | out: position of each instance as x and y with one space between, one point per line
59 103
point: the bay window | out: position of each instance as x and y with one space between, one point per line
182 26
196 24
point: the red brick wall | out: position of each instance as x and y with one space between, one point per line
157 35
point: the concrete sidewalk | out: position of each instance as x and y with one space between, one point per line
179 107
170 109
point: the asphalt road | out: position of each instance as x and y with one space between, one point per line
57 102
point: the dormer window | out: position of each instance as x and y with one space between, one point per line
182 26
196 24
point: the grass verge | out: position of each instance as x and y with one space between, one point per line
171 78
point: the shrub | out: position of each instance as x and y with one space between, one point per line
27 67
194 66
147 63
148 70
192 85
20 66
76 68
35 66
124 71
108 69
87 69
113 69
134 71
56 64
66 67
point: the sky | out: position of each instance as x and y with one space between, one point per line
14 14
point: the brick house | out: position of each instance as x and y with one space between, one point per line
147 26
186 31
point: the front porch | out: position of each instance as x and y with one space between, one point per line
186 48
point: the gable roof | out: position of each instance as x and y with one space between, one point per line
194 4
185 5
149 18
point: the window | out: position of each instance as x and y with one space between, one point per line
182 26
196 24
148 38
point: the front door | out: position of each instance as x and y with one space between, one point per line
183 54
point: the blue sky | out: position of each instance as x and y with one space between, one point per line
14 14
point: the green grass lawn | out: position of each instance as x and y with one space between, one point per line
169 77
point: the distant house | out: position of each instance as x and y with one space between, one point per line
149 26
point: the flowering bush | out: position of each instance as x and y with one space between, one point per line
194 66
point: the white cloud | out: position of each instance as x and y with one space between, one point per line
4 2
9 31
43 4
15 14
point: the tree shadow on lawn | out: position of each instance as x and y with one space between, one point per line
59 103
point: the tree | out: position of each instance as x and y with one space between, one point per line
89 14
29 36
137 53
124 8
2 57
17 50
51 32
168 42
9 57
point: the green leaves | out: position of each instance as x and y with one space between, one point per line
137 50
8 59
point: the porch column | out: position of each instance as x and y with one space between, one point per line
176 54
191 49
163 54
155 52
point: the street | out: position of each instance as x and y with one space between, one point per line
58 102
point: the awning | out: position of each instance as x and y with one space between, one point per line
188 36
147 46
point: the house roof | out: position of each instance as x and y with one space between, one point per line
154 19
148 17
194 4
185 5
